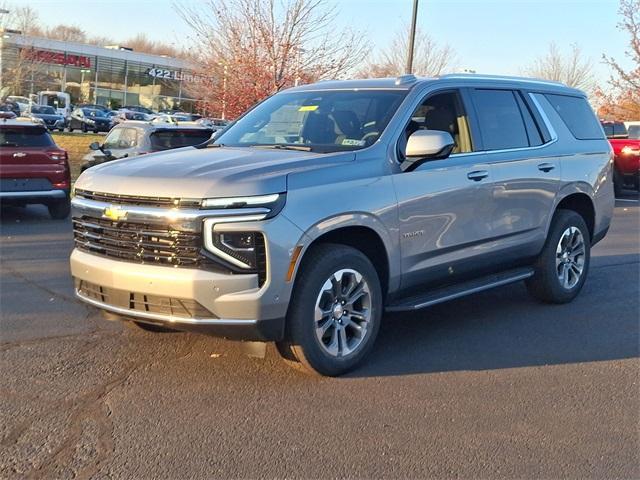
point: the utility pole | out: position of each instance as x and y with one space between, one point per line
412 38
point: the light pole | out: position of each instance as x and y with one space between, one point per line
412 38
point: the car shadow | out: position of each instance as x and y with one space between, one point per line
506 328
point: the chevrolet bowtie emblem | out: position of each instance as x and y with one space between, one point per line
114 213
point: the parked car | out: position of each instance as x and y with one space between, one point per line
329 203
94 106
215 123
139 109
7 110
23 103
124 115
89 119
48 115
9 106
33 169
132 138
626 173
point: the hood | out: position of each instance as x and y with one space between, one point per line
205 173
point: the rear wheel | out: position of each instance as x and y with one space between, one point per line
335 312
562 267
59 209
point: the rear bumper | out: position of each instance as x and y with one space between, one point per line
37 196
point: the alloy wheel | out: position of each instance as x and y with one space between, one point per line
343 313
570 257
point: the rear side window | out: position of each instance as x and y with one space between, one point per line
501 122
168 139
25 137
634 132
120 138
577 115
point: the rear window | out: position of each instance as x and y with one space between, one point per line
25 137
168 139
634 132
577 115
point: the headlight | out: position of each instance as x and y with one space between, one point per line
238 248
89 121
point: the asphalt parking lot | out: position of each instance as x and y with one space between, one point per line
490 386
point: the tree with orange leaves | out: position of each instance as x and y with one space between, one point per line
623 103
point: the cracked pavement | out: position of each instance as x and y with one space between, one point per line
490 386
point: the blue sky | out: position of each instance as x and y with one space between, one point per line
490 36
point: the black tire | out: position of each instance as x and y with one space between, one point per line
150 327
618 183
545 284
301 344
70 129
59 209
83 127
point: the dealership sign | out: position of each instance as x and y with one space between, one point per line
174 75
59 58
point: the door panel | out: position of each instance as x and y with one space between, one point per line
444 217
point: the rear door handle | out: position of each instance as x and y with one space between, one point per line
477 175
19 154
546 167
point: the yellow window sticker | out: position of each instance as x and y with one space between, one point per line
308 108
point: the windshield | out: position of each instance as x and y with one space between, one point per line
44 110
327 121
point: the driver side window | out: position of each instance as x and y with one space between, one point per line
444 112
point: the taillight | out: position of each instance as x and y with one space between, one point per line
58 155
629 150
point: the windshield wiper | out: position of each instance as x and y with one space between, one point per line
280 146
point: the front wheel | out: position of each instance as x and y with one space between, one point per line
561 269
335 312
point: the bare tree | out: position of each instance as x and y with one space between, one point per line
263 46
429 59
623 101
571 69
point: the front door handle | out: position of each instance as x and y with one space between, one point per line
546 167
19 155
477 175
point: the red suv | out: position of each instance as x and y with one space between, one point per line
33 169
626 173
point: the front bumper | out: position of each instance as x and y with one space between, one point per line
182 299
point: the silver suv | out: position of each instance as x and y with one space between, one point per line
327 204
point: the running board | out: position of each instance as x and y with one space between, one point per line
456 291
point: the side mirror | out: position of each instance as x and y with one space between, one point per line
94 146
426 145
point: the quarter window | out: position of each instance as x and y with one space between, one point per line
501 122
577 115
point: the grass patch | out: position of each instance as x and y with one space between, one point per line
77 145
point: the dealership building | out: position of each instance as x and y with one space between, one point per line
111 76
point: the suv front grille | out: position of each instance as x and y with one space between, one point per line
169 202
138 243
154 245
